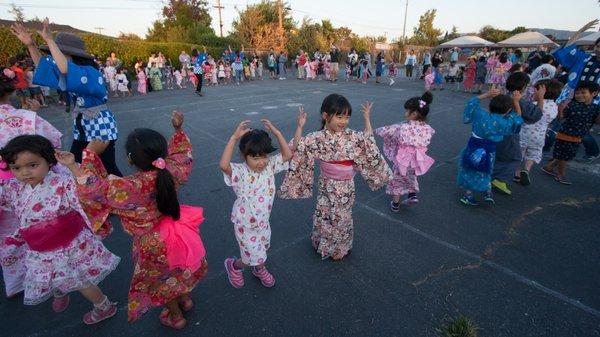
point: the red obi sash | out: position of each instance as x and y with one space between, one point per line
53 234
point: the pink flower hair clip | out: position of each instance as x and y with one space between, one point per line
159 163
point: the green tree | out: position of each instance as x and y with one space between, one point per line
17 12
492 34
180 20
425 33
257 25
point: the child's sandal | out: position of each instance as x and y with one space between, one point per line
176 323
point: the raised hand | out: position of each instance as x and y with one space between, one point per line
366 109
540 91
267 123
301 120
177 120
45 32
32 104
516 95
97 146
65 158
22 34
242 129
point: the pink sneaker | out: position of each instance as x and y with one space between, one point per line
98 315
236 277
264 276
60 304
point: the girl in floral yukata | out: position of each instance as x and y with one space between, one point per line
62 253
405 144
340 152
16 122
254 185
476 160
168 253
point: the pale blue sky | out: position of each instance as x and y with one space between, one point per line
374 17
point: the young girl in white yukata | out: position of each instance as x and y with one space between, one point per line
62 253
254 185
405 145
533 136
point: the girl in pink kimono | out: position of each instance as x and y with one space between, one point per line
62 253
142 81
341 152
405 145
499 70
13 123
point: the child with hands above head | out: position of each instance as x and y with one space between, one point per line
341 152
168 253
253 182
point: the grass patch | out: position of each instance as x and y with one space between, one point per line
461 326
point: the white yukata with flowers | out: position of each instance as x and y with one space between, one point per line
255 192
80 263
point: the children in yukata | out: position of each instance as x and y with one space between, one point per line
405 145
62 253
254 185
341 152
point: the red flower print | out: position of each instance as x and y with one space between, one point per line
37 207
94 272
252 220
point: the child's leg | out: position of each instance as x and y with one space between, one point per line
529 164
562 168
103 307
93 294
551 165
239 264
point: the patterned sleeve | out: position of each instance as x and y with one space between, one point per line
298 181
370 163
472 108
5 195
570 56
71 198
43 128
237 175
276 163
180 160
85 80
510 124
47 73
387 131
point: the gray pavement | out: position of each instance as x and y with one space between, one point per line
527 266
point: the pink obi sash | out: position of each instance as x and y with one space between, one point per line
53 234
414 157
185 249
338 170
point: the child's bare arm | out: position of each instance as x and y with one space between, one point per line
366 110
516 97
225 163
286 153
299 127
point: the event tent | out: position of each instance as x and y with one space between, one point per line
588 40
527 39
467 41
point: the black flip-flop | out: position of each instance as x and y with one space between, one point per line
550 173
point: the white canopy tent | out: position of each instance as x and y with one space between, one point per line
467 41
527 39
588 40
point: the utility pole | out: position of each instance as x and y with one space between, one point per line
99 29
280 30
219 8
404 29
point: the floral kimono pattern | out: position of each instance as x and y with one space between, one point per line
74 265
16 122
154 75
132 198
333 228
411 139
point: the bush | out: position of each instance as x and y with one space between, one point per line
129 51
461 326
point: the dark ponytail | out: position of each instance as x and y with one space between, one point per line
144 146
414 105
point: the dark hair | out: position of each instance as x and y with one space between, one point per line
514 68
414 105
588 85
7 84
481 59
518 52
517 81
501 104
503 57
548 58
194 52
144 146
35 144
256 143
553 88
335 105
82 61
